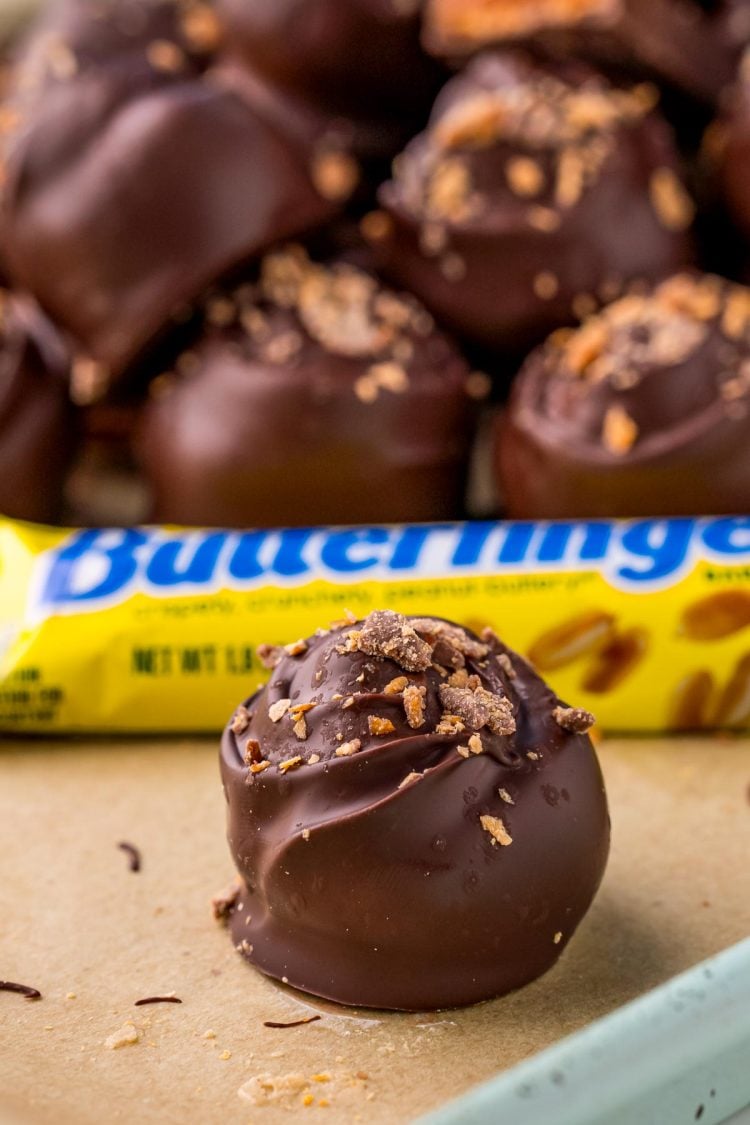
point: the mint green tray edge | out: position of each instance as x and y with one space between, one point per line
677 1055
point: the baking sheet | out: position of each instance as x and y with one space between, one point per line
94 938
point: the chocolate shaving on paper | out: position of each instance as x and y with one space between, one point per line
292 1023
133 854
22 989
157 1000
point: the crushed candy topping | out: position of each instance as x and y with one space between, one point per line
497 830
414 705
573 719
278 710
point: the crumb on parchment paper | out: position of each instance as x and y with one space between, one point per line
125 1036
289 1091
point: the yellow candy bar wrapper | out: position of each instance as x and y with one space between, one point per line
644 622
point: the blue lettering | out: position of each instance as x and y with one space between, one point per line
473 539
94 564
663 544
411 543
179 561
728 536
517 542
342 551
556 541
289 561
244 563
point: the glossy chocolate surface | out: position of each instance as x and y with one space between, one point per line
360 58
728 148
38 423
644 411
387 863
315 396
536 188
136 177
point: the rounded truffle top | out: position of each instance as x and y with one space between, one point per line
405 794
313 396
363 686
652 371
513 130
363 55
300 311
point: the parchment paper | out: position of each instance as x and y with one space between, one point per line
94 938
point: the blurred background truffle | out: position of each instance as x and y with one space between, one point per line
134 178
550 155
537 190
691 45
728 150
38 423
359 61
313 396
645 410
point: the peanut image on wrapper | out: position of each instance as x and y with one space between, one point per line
613 655
691 701
696 706
717 616
616 660
580 636
733 708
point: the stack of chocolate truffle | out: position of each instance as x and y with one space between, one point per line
274 263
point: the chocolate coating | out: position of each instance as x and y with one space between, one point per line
644 411
502 212
315 396
38 423
729 152
361 58
136 178
689 44
369 875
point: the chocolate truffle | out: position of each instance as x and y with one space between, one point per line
536 188
728 150
38 425
643 411
689 44
359 60
136 177
418 822
314 396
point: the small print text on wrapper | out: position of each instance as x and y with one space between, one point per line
149 630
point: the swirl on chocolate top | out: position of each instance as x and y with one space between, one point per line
416 819
501 212
644 410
